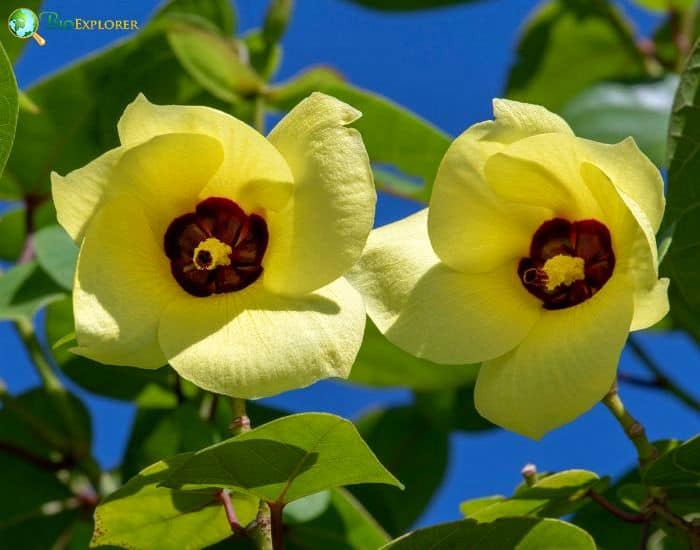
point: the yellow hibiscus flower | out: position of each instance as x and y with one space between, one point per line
536 258
207 246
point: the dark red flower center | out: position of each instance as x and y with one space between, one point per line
569 262
217 248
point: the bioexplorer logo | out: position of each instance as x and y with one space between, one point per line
24 23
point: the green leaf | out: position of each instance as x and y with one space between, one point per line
25 490
306 508
57 254
678 467
610 112
213 61
344 525
219 12
608 531
665 5
502 534
453 409
390 434
380 363
552 496
409 5
36 508
34 422
10 189
144 515
286 459
157 433
125 383
394 137
561 39
24 289
13 231
8 105
682 216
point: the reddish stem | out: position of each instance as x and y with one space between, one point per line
225 497
276 525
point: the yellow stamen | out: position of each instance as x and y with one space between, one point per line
212 253
562 269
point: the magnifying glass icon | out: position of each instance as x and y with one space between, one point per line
24 23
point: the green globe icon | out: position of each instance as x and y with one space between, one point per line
24 23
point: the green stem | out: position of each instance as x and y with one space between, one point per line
261 532
240 422
660 379
259 113
634 431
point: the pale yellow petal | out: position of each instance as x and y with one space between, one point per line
321 232
78 194
434 312
565 365
543 170
122 285
650 306
248 156
472 229
166 174
253 343
634 246
632 173
516 120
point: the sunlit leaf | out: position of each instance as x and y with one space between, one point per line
143 515
286 459
8 104
502 534
552 496
610 112
390 434
665 5
567 46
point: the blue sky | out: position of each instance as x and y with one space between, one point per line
446 66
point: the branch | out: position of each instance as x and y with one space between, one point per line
36 460
660 379
614 510
646 452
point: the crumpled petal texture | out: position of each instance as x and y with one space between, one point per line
453 295
311 183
